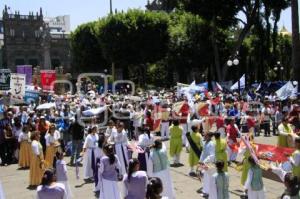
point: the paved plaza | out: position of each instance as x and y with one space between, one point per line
15 181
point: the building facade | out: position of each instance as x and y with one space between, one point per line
28 39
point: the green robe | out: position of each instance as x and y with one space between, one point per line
246 166
220 151
193 158
175 140
282 139
222 184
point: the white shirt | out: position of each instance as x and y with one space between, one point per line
145 141
117 137
50 139
35 147
91 141
23 137
108 131
208 153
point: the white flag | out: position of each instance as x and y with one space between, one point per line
285 91
219 87
242 83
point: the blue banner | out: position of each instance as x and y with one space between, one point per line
31 96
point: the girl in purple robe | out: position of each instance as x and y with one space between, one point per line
49 189
108 174
61 173
135 182
154 189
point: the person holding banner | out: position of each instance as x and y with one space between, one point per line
285 131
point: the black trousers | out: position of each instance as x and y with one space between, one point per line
8 150
266 127
2 153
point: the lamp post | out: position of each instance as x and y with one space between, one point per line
235 61
45 36
110 7
279 69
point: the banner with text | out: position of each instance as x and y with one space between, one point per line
27 70
4 79
17 85
31 96
47 77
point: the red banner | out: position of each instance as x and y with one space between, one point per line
47 78
273 153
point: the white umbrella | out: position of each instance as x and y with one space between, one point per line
135 98
46 106
94 111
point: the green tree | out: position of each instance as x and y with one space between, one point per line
189 46
86 50
134 38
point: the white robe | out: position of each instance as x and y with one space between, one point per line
207 156
1 192
144 142
165 176
121 143
251 193
90 144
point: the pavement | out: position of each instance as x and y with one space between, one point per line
15 181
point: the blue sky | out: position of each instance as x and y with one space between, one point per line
82 11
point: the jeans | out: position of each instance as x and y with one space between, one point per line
76 149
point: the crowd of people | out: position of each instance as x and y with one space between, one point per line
123 149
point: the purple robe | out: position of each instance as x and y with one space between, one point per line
136 187
51 192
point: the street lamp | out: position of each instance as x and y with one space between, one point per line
235 61
279 69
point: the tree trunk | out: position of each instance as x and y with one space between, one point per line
295 40
216 51
268 33
274 35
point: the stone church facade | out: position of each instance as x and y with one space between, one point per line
28 41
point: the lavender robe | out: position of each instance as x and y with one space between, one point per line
56 191
136 187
